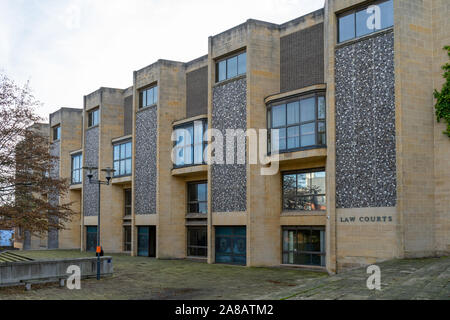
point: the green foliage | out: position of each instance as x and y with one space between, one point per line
443 97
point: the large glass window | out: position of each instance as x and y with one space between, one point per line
198 197
57 133
148 97
127 238
231 67
197 245
300 123
304 191
231 245
358 23
304 246
122 159
93 118
77 168
190 143
127 201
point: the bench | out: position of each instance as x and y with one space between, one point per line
60 279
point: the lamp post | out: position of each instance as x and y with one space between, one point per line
109 172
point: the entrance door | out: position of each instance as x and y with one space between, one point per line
147 241
231 245
91 239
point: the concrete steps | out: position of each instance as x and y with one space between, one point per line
9 256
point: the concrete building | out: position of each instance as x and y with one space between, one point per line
363 165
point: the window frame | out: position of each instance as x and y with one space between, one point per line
155 89
125 242
92 119
57 129
226 59
189 203
125 205
80 155
188 246
120 144
303 228
297 98
353 12
297 172
193 144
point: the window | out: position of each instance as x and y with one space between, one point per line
198 197
231 245
304 191
77 168
148 97
197 245
304 246
127 238
300 123
93 118
57 133
190 143
231 67
122 159
358 23
127 201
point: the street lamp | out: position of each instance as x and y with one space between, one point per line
109 172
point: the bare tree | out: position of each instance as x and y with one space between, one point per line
26 182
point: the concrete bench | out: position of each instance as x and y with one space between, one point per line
32 272
61 280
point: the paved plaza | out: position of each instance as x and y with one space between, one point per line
137 278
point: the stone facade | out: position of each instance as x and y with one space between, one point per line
385 158
229 182
365 124
55 151
145 163
91 155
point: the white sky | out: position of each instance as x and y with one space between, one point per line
70 48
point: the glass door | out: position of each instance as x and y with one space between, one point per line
147 241
91 239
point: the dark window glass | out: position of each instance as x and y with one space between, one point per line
190 144
122 159
304 191
300 124
148 97
127 201
231 67
127 238
56 133
77 168
197 245
304 246
372 18
198 198
93 118
231 245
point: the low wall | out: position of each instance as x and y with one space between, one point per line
12 273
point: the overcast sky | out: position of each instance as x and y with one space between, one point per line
70 48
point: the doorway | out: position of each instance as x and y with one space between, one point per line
147 241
